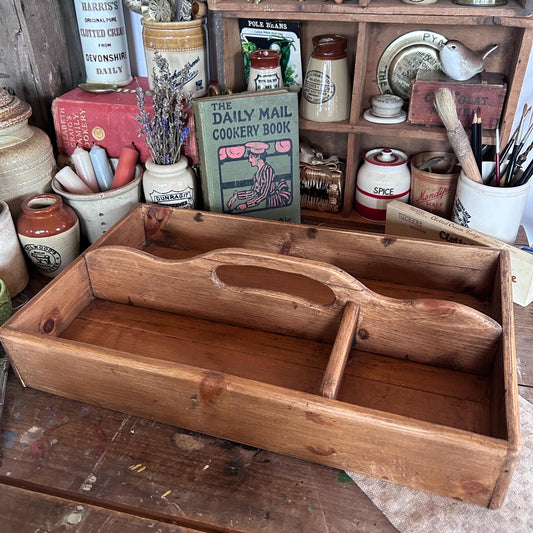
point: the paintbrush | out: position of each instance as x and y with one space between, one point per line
447 110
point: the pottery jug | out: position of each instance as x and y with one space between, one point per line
384 176
326 88
49 232
171 185
180 43
265 70
27 163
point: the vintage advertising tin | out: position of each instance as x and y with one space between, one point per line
384 176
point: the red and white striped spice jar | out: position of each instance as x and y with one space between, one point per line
384 176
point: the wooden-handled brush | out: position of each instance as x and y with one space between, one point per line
446 108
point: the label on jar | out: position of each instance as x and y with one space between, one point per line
264 79
172 198
318 87
103 40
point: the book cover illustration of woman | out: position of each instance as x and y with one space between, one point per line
265 186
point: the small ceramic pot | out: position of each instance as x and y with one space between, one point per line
170 185
384 176
12 263
387 105
265 70
49 232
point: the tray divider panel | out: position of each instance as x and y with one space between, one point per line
341 350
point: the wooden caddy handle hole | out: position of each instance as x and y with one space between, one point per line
253 277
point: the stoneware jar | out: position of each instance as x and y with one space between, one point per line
49 232
326 88
12 263
384 176
171 185
27 163
265 70
180 42
104 43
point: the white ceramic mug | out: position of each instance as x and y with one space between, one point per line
494 211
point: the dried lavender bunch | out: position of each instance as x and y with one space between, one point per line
165 130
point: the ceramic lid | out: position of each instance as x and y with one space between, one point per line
386 157
329 46
265 59
12 110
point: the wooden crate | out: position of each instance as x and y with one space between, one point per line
484 93
227 326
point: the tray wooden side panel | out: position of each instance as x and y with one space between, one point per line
56 305
505 411
453 268
426 456
437 332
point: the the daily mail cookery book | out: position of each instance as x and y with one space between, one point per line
248 145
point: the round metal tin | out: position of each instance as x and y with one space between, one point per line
404 57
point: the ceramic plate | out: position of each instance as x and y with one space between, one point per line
404 57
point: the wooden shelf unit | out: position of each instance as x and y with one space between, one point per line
370 26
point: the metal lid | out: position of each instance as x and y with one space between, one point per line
386 157
12 110
404 57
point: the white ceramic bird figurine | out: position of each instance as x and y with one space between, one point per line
460 63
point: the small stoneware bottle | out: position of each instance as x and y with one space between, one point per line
49 232
326 88
265 70
384 176
171 185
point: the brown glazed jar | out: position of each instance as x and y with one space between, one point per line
265 70
49 232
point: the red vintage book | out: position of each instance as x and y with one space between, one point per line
109 119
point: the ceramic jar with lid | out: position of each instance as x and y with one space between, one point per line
265 70
27 163
49 232
326 90
384 176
